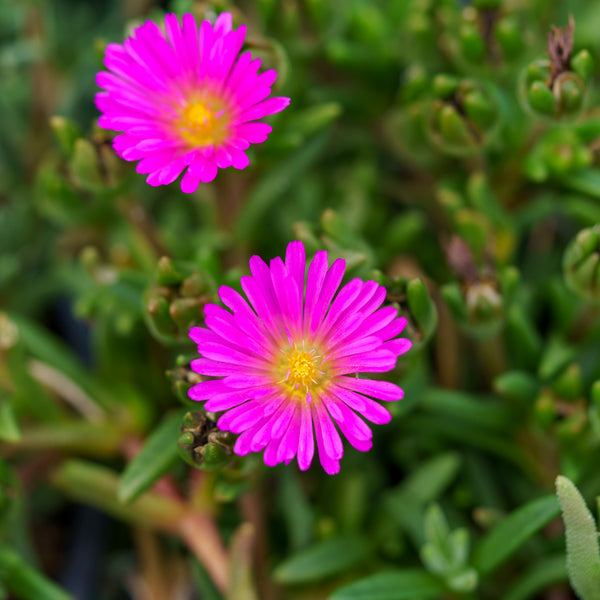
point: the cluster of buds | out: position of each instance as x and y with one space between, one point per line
478 303
555 87
559 152
489 33
92 165
202 444
175 302
463 117
182 378
581 263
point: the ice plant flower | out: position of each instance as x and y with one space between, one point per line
284 363
185 99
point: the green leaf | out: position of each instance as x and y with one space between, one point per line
48 349
547 571
203 584
277 183
241 579
322 560
97 486
428 482
477 411
583 555
511 533
24 581
297 511
407 584
156 458
9 428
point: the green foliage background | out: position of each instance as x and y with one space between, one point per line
425 145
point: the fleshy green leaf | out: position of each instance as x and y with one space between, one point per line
24 581
428 482
583 554
511 533
408 584
156 457
322 560
542 574
270 188
9 428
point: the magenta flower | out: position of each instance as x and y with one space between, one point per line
285 363
185 99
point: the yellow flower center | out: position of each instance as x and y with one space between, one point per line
301 371
204 123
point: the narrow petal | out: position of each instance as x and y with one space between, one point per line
306 442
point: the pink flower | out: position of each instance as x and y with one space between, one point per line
285 362
185 99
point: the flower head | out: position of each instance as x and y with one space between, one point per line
284 362
185 99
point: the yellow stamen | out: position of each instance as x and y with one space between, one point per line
204 123
301 371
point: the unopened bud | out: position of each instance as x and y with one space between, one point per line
517 385
583 64
581 263
166 272
193 286
570 91
509 37
202 444
66 132
544 411
541 98
472 45
159 320
84 165
569 384
186 312
479 109
445 86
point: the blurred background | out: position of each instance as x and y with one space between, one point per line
442 148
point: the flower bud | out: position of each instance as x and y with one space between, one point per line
538 70
187 312
202 444
445 86
66 132
583 64
569 384
193 286
541 99
517 385
159 320
463 118
509 37
479 109
166 272
544 412
570 92
84 166
453 128
471 43
580 263
182 378
572 427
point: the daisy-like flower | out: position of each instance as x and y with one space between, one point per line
284 363
185 99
